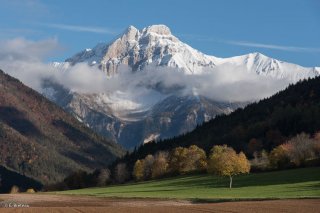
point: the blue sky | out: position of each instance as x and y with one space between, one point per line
288 30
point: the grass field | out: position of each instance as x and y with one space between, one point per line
295 183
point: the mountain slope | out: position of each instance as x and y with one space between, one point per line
264 65
271 121
174 115
40 140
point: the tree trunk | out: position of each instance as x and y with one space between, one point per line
230 182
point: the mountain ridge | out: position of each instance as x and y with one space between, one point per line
156 45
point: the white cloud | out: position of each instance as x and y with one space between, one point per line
250 44
20 49
225 83
23 59
78 28
273 46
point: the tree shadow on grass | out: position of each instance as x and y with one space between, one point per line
308 187
259 179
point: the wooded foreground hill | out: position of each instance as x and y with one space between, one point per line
38 139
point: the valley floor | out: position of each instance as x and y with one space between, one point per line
295 190
293 183
66 203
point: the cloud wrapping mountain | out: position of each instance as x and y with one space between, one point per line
23 59
147 84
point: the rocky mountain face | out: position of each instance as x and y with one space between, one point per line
170 117
130 122
42 141
138 48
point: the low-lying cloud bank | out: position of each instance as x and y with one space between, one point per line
23 59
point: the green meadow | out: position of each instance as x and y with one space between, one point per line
294 183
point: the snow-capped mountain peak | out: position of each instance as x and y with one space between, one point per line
156 45
137 114
158 29
138 48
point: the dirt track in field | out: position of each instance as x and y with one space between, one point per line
62 203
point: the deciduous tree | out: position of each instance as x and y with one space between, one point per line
224 161
279 157
160 164
177 160
184 160
121 173
295 152
260 160
14 189
301 149
197 159
103 176
138 170
148 164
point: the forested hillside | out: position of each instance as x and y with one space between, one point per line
38 139
261 125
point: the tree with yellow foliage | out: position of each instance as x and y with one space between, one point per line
186 160
224 161
197 158
177 160
279 157
138 170
147 165
160 164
